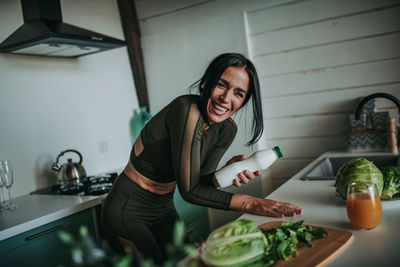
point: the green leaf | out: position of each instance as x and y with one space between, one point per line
281 249
179 233
280 235
66 237
168 264
193 264
124 262
190 250
319 233
284 241
287 224
77 256
83 231
308 238
145 263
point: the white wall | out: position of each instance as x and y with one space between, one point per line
315 58
48 104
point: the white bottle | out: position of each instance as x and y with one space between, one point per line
259 160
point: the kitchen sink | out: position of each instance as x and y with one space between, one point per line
328 167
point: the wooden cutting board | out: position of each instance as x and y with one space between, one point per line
321 251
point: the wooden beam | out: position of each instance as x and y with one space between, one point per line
131 29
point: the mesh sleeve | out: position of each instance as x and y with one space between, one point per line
226 136
185 126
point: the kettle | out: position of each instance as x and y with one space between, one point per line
71 172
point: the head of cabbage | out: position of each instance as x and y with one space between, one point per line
358 170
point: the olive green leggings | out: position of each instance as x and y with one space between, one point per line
145 218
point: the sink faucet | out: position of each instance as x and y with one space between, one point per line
393 147
377 95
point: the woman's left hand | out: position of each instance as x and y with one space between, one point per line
244 176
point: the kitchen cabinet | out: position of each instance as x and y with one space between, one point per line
41 246
195 218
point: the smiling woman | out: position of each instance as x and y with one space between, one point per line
182 146
229 94
235 72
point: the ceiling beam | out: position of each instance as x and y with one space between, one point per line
131 29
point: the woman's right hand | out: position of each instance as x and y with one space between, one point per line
269 207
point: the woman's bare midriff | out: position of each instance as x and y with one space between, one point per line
146 183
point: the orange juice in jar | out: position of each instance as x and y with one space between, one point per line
364 207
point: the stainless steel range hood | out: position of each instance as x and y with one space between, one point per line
44 34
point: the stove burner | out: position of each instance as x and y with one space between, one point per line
100 179
68 189
99 189
90 186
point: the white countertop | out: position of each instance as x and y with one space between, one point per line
36 210
321 207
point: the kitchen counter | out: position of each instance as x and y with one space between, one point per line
321 207
36 210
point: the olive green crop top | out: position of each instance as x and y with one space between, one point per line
176 148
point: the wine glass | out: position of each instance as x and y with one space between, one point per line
364 207
7 178
3 202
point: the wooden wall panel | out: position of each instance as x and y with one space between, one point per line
157 16
148 9
254 6
317 125
277 17
308 147
312 125
333 78
330 102
325 56
329 31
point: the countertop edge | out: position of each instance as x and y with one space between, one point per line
51 217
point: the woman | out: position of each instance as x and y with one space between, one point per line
181 146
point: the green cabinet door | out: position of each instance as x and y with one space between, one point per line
41 246
195 218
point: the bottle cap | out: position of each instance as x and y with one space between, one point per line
278 151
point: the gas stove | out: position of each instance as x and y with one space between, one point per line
90 186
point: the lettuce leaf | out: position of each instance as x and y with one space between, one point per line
237 243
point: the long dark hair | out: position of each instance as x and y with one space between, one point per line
211 77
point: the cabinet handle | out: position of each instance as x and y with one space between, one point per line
44 232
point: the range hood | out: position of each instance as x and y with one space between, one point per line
44 34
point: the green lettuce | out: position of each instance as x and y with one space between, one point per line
237 243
